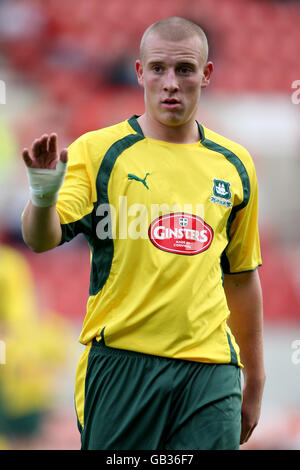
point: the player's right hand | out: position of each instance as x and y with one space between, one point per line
44 153
45 169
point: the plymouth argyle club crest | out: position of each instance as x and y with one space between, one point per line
221 193
221 189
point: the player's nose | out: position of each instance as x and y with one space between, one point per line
170 81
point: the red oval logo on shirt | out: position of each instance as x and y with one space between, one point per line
180 233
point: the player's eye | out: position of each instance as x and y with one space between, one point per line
157 68
185 70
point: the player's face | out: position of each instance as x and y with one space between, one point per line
172 74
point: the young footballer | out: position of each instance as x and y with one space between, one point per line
169 210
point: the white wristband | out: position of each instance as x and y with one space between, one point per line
44 184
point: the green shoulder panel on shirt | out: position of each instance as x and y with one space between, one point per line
232 158
243 174
102 249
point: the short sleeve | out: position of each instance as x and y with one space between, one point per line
243 250
75 197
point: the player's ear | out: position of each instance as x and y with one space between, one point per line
207 71
139 72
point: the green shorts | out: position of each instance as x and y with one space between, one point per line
135 401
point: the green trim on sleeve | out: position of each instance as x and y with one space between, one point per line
246 270
233 356
72 229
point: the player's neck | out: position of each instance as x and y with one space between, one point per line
188 133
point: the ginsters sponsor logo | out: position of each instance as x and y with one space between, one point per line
180 233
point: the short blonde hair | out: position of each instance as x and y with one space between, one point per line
175 29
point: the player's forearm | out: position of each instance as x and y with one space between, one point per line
41 227
244 297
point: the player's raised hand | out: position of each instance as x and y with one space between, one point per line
46 170
44 153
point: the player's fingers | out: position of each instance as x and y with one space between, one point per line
43 144
52 143
36 148
64 156
26 158
248 435
246 432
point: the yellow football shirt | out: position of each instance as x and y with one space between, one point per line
164 222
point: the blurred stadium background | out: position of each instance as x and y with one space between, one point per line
68 67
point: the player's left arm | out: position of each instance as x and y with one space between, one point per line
244 297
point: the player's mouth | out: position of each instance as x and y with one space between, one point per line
171 103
